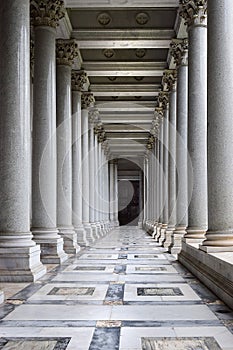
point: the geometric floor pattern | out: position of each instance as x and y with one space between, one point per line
124 292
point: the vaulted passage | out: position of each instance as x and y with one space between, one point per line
125 292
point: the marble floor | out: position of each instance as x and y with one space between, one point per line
125 292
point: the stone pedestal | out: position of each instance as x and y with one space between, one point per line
15 147
44 157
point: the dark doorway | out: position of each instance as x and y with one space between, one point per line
129 208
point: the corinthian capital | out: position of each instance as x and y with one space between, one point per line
194 12
179 50
79 80
66 51
150 142
169 80
93 116
163 100
47 12
88 100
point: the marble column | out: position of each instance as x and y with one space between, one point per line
97 193
87 102
79 80
105 185
194 13
156 185
163 103
179 50
160 173
111 191
66 51
44 157
101 187
219 236
116 222
19 255
93 114
170 80
145 189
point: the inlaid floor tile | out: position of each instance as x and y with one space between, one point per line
72 291
158 269
159 292
92 256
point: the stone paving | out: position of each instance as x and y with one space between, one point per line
125 292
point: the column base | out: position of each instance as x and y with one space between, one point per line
94 231
21 264
116 223
152 229
195 233
168 238
103 229
98 229
158 232
218 241
70 240
81 235
51 245
89 234
1 297
176 244
162 235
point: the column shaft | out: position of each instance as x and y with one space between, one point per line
165 175
171 166
64 156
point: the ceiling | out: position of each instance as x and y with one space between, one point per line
124 49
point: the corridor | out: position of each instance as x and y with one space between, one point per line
124 292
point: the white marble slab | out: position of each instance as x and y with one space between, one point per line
61 312
162 312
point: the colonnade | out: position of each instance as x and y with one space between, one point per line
58 189
197 187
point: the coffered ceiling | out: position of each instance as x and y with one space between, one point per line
124 48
